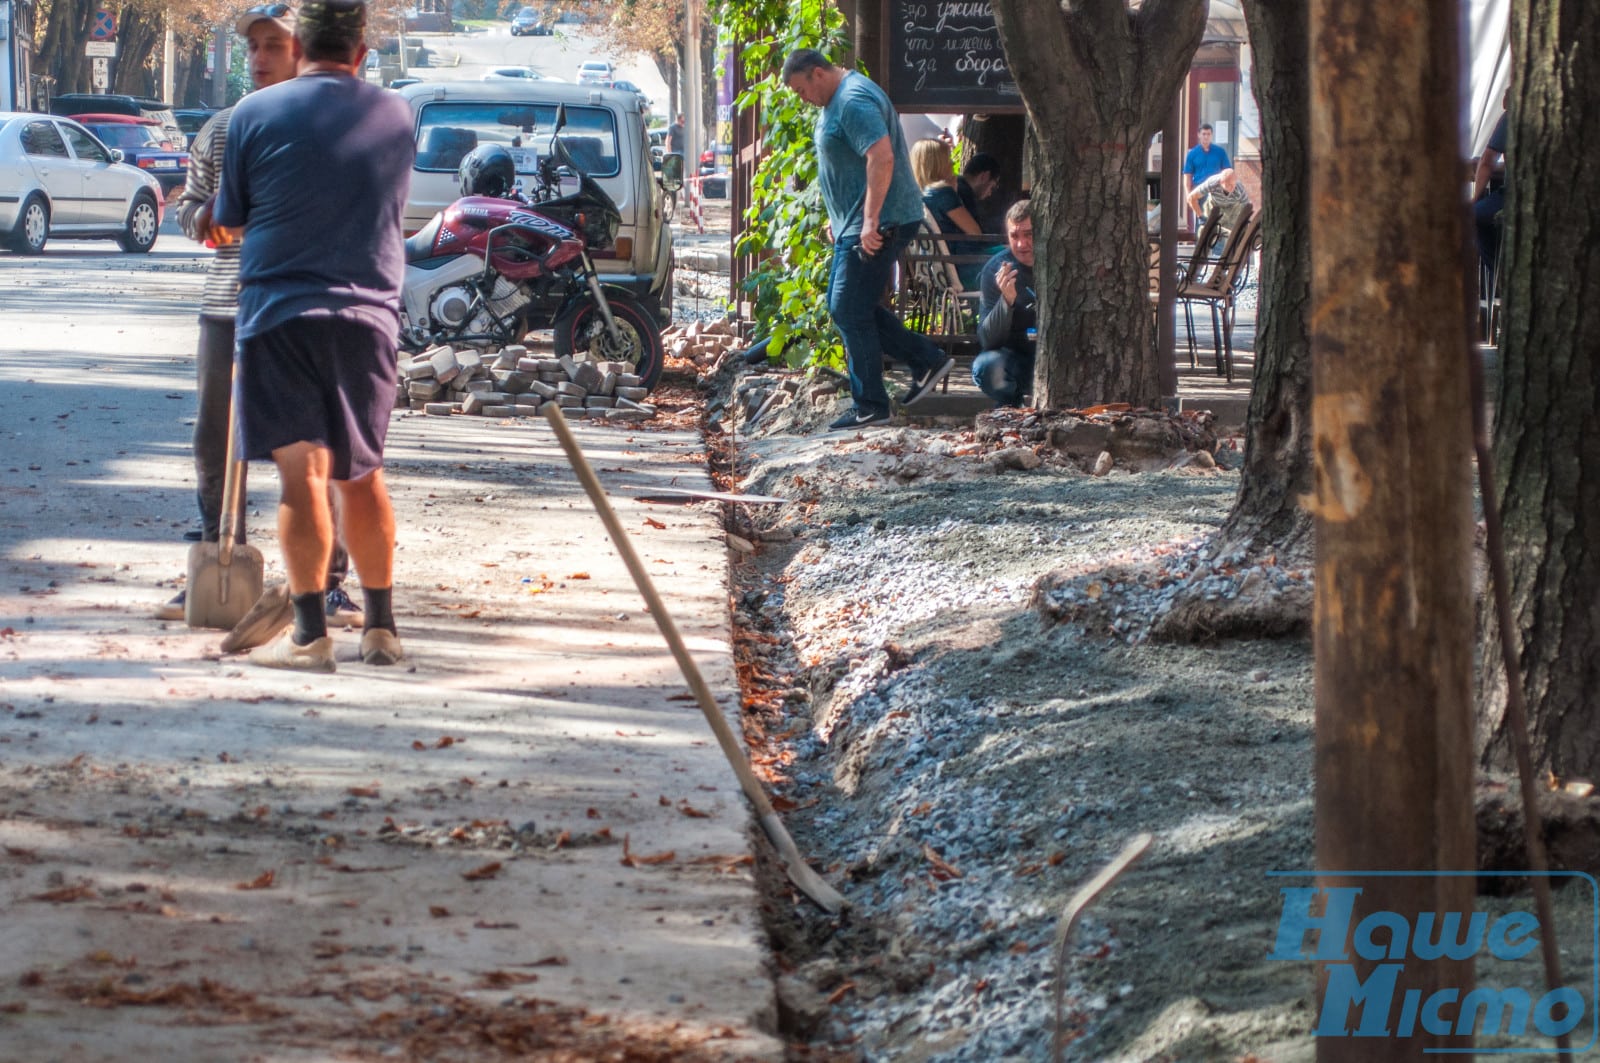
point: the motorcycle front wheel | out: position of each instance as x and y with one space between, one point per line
582 334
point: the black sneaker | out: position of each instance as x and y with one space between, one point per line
921 385
858 419
342 612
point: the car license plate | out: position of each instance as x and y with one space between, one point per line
166 164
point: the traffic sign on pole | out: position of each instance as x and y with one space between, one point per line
104 27
100 49
101 74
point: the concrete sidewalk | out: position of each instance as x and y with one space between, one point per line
281 866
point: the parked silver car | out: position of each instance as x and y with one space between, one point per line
56 179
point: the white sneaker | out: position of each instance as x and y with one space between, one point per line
282 652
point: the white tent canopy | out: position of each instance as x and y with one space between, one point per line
1488 63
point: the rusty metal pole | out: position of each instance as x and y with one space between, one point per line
1391 435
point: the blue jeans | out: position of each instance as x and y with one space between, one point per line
870 332
1004 374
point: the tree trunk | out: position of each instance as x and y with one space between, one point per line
1547 400
61 52
1267 516
1097 79
1394 768
138 35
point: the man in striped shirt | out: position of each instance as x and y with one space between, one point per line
268 30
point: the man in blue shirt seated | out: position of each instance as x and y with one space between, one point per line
1008 314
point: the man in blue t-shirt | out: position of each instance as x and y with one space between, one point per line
314 180
874 209
1204 161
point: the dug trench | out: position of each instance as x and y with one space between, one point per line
960 687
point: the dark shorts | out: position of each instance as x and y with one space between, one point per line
319 380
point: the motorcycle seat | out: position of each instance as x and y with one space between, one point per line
419 245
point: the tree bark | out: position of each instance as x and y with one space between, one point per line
1547 399
1267 516
138 34
1097 78
1390 430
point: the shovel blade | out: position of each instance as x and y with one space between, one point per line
219 594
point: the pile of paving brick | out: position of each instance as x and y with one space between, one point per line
705 343
444 380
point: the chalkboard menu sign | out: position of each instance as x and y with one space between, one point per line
944 56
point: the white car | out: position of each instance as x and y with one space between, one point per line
628 86
605 136
513 73
56 179
595 72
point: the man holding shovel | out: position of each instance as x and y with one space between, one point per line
268 31
315 180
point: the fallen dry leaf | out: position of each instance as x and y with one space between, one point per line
485 925
66 894
262 881
478 874
579 575
943 870
363 791
692 812
438 911
630 860
838 994
651 522
504 979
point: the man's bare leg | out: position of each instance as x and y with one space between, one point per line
305 532
366 524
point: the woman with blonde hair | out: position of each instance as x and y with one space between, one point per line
930 162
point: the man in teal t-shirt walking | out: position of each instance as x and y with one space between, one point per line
874 208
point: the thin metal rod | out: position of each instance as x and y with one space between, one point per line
1516 706
809 882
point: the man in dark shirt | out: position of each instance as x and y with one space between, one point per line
677 141
1489 192
1008 314
316 175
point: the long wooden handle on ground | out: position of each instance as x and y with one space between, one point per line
800 873
1069 922
1516 705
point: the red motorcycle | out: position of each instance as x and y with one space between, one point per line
496 265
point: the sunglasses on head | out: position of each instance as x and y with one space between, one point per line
269 10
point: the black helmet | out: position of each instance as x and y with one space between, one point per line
488 170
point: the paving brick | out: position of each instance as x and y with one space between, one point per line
445 366
543 390
510 355
625 415
480 385
552 378
570 402
440 409
529 399
608 383
588 376
567 387
552 365
418 367
633 393
470 362
528 365
568 366
599 402
511 380
499 411
425 389
626 379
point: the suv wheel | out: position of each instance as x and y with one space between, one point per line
33 227
143 220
